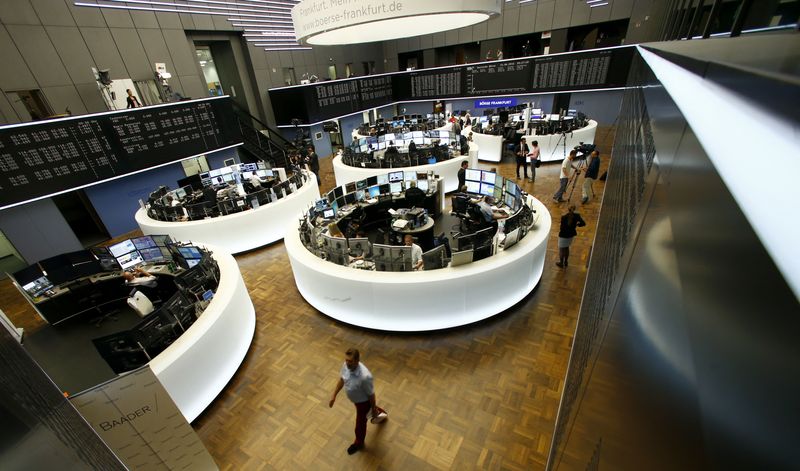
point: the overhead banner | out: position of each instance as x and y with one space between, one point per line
135 416
495 102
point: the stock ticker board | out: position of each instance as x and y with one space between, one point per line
582 70
48 157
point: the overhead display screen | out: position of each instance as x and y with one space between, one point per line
603 68
48 157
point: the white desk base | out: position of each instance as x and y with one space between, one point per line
242 231
198 365
426 300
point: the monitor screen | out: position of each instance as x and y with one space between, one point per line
130 260
37 286
335 207
498 194
384 188
444 134
473 187
328 213
28 274
191 262
498 181
487 189
214 173
338 191
488 177
389 137
371 181
395 177
361 184
349 188
161 240
228 178
190 252
474 175
419 141
383 178
374 191
152 254
143 242
217 181
247 175
122 248
180 193
359 195
422 185
396 187
408 176
330 197
226 170
510 200
350 198
381 138
510 187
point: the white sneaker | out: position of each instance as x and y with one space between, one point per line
381 417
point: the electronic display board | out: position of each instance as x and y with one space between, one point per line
43 158
581 70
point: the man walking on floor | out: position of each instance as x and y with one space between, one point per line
357 382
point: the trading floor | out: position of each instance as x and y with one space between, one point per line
483 396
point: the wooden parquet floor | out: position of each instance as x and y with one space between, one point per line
484 396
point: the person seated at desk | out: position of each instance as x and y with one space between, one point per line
414 196
489 214
256 181
412 147
416 252
172 202
139 278
229 191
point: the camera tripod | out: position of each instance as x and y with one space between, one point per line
571 185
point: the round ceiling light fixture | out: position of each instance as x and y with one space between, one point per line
332 22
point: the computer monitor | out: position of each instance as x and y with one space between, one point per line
401 258
382 252
191 262
473 174
328 213
511 239
341 201
338 191
330 197
190 252
152 255
228 177
422 185
157 332
121 248
226 170
180 193
434 259
335 207
385 188
360 194
498 194
510 187
374 191
483 237
121 351
461 258
361 184
130 260
473 187
487 189
510 200
337 245
395 177
144 242
350 198
229 162
389 136
349 187
372 181
422 176
482 252
360 247
396 187
161 239
409 176
247 175
498 181
488 177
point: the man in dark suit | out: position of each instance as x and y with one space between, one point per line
521 152
462 175
312 159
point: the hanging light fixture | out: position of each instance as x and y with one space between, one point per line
331 22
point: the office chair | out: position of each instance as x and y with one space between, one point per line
460 210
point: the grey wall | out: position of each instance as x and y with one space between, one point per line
38 230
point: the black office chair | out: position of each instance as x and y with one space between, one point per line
460 205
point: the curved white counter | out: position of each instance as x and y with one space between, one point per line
238 232
447 169
356 136
198 365
551 146
427 300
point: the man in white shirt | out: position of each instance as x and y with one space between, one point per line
139 277
356 380
567 168
416 251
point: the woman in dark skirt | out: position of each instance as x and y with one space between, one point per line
569 224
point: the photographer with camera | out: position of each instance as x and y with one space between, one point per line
567 168
592 170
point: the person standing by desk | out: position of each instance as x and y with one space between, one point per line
312 159
521 152
533 157
133 102
462 174
567 231
416 251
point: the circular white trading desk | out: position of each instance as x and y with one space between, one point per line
551 146
242 231
356 136
425 300
196 367
447 169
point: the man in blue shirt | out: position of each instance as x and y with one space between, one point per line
356 380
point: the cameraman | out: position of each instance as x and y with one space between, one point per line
567 168
592 169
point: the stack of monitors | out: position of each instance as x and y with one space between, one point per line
150 251
126 254
33 280
191 254
482 182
